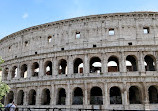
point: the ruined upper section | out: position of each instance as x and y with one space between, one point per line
106 30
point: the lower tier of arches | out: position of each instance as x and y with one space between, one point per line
121 95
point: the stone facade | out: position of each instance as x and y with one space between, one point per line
107 61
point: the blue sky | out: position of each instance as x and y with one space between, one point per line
16 15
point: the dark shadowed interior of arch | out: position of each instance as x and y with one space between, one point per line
20 97
149 63
6 70
131 63
14 72
96 97
45 100
113 64
115 96
24 71
153 95
95 65
32 97
134 95
61 97
77 96
48 68
63 67
78 66
35 69
10 97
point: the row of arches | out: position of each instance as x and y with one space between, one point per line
96 96
95 66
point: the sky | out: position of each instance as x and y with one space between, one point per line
16 15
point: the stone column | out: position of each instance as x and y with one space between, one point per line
70 65
68 95
29 70
25 103
104 64
125 98
55 66
141 65
145 99
9 74
53 99
106 100
3 75
85 99
86 64
122 62
15 95
41 68
38 96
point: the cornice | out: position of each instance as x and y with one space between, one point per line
83 18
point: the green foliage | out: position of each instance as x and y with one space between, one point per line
1 61
4 88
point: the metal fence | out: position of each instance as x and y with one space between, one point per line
59 109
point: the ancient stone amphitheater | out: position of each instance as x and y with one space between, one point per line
107 61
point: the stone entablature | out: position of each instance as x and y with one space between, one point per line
113 54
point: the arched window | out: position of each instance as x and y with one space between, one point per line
77 96
153 94
32 97
48 68
61 97
96 96
134 95
131 63
45 100
24 71
78 66
149 63
62 68
14 72
10 97
20 97
6 70
113 64
115 95
35 69
95 65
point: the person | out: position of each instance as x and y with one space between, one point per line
10 107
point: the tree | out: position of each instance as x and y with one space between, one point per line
4 88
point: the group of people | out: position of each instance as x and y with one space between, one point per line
10 107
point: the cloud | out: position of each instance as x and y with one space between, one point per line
25 15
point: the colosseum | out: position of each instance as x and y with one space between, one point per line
107 61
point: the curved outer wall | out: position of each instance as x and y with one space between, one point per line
34 45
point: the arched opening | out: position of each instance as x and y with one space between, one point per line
134 95
24 71
48 68
61 97
153 94
149 62
62 66
20 97
10 97
131 63
113 64
78 66
14 72
45 100
35 69
77 96
32 97
115 95
6 70
95 65
96 97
